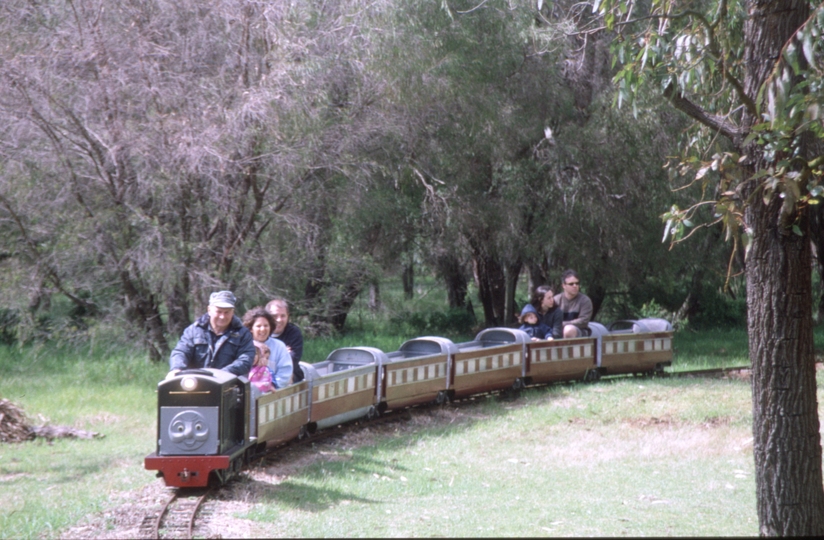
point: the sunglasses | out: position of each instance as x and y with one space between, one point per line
573 284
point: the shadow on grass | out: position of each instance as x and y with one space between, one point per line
300 496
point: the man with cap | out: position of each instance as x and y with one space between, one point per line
217 340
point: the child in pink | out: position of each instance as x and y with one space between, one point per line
259 375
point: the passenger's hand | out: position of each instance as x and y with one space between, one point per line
172 374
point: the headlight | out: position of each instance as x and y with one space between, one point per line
188 383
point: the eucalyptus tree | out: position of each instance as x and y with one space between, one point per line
151 146
749 71
536 169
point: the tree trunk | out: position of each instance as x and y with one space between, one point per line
143 309
339 307
177 305
452 272
513 272
787 445
817 235
692 303
374 296
489 277
538 275
408 278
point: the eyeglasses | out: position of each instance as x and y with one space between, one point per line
574 284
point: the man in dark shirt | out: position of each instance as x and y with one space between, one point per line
288 333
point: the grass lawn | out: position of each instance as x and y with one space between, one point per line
49 485
630 457
623 457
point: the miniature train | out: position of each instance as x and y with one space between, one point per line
212 424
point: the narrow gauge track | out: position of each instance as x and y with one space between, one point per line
176 518
712 372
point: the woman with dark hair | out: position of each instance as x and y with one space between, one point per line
543 302
261 323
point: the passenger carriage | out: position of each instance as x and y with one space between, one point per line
283 414
561 359
641 346
493 361
418 372
344 386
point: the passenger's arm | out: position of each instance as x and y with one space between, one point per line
182 353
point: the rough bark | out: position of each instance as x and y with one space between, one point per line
787 444
491 283
817 235
692 303
408 277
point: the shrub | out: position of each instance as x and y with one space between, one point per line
453 321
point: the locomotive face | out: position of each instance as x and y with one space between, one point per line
189 430
189 412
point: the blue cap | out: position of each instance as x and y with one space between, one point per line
529 308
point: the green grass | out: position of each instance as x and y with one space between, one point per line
48 486
627 457
665 457
710 349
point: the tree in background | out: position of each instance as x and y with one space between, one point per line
155 151
151 147
750 72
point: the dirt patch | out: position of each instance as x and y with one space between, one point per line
650 421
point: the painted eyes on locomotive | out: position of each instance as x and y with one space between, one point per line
189 429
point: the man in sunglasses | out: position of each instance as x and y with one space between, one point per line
577 307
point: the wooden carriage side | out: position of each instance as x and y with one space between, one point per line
415 380
418 372
345 386
635 353
560 360
282 413
486 369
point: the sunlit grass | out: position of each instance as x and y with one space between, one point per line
710 349
50 485
663 457
625 457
